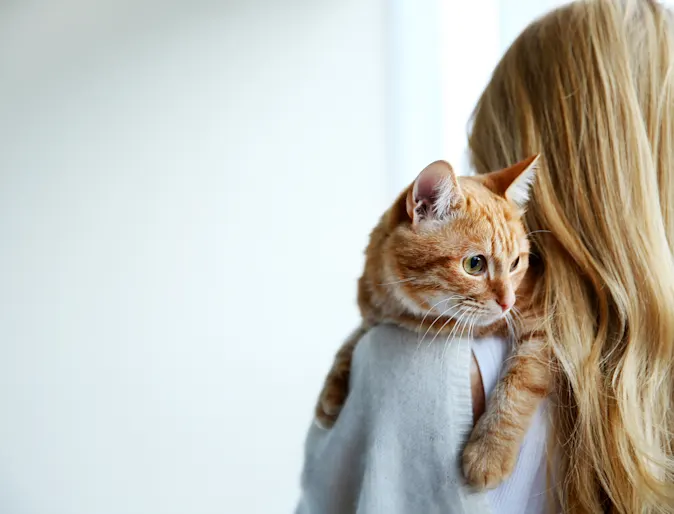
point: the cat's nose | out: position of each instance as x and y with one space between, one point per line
505 299
505 306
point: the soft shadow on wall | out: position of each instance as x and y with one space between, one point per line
186 190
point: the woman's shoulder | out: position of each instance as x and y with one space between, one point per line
388 343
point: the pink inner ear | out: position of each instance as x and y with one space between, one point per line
434 194
426 187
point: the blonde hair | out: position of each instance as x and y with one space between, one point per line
590 86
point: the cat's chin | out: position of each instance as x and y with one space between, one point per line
489 319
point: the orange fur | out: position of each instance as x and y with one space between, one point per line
415 277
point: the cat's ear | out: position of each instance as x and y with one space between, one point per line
514 183
435 194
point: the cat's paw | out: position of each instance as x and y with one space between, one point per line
324 420
488 459
329 406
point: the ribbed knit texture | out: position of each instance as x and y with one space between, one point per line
396 446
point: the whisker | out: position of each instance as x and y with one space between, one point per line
465 324
455 327
463 328
435 320
471 320
437 333
472 326
448 342
472 316
430 327
446 323
520 317
457 320
539 232
511 331
427 313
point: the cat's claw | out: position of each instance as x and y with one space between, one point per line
487 460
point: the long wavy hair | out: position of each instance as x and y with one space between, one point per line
591 87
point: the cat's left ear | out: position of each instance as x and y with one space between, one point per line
514 183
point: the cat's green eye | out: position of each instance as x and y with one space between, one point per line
514 265
475 264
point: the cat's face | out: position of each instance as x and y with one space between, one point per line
466 251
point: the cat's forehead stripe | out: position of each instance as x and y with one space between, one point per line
498 233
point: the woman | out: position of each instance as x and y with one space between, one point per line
591 87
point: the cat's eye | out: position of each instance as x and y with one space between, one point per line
475 264
514 265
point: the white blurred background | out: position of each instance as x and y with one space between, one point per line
186 189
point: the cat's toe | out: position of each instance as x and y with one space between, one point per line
486 463
324 421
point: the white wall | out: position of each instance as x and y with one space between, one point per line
185 194
184 199
441 56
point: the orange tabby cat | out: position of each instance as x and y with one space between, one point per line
451 253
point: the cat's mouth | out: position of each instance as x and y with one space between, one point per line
485 317
467 311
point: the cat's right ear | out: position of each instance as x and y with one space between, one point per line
435 194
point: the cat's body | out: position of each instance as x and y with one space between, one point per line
447 257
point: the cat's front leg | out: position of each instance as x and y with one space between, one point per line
336 386
494 445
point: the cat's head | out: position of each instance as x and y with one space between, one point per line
459 248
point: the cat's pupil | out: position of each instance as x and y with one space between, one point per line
515 264
474 262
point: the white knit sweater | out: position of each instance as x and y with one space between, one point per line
397 444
